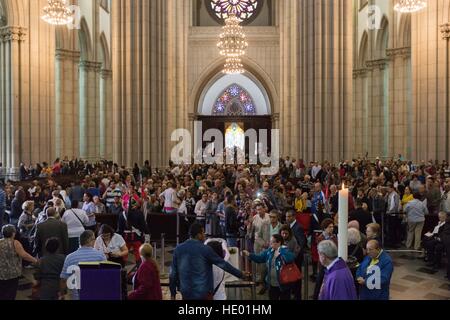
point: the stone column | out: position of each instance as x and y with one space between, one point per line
11 43
359 130
445 32
149 80
66 103
89 111
430 74
316 73
105 123
400 92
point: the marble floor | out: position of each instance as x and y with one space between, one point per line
412 280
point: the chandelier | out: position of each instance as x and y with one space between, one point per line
410 6
57 13
232 45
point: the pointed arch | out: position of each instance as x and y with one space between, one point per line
363 50
85 41
105 52
382 39
404 30
3 21
13 12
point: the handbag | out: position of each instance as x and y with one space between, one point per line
352 261
290 273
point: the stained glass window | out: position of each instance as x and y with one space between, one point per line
245 10
234 101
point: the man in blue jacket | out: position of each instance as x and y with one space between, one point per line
375 273
191 270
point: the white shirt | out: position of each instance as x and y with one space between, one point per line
332 264
168 196
114 245
200 208
74 227
219 275
259 224
436 230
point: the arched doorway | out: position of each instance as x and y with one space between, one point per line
235 104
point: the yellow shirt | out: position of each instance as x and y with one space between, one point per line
300 205
376 260
406 199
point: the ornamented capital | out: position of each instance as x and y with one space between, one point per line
379 63
63 54
445 31
399 52
9 33
362 72
105 74
90 66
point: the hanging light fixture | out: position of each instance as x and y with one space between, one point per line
410 6
232 45
57 13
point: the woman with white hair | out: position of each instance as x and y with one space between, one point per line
355 250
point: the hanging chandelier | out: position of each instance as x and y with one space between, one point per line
57 13
233 45
410 6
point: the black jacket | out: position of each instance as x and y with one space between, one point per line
51 228
135 218
231 221
299 235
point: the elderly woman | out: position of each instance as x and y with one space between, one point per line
146 283
27 219
11 255
355 250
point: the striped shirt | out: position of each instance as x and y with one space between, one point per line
84 254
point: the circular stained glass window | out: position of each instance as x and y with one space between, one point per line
245 10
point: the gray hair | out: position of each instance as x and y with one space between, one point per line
328 248
354 236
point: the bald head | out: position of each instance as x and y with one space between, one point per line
373 248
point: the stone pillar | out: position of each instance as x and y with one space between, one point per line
149 80
66 103
316 88
430 65
11 43
400 93
359 130
89 111
445 32
105 123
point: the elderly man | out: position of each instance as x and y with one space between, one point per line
416 212
338 283
375 273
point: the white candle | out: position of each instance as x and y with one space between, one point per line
343 223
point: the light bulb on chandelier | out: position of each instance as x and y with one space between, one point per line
410 6
57 13
233 45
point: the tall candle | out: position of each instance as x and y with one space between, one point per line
343 223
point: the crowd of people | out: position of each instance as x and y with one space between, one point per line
50 221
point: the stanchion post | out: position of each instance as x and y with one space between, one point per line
163 248
306 277
178 228
155 248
